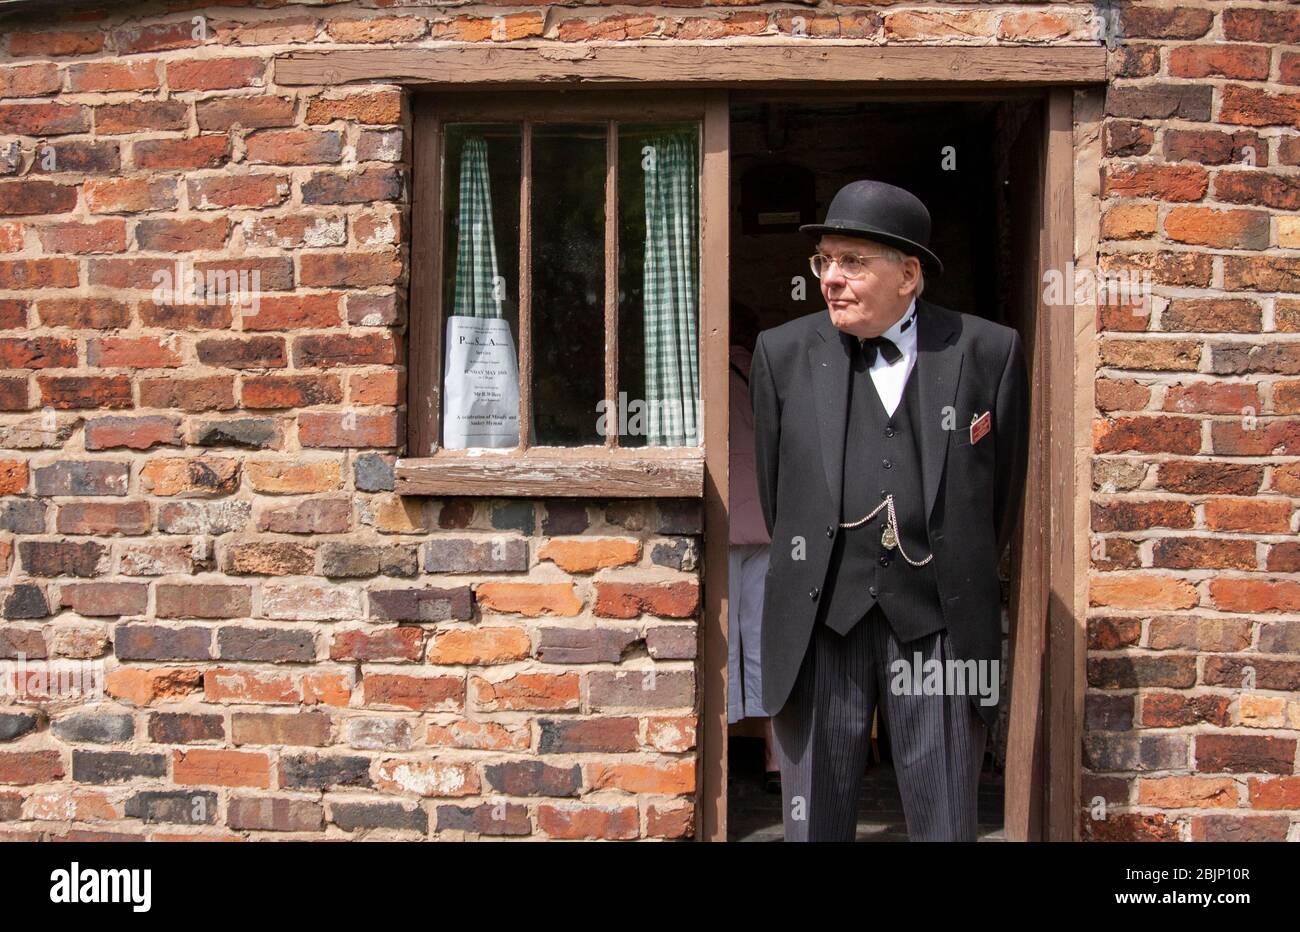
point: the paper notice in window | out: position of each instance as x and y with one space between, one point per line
481 384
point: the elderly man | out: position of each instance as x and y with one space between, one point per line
890 444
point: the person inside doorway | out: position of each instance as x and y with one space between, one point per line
747 551
891 445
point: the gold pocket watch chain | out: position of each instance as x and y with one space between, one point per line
889 537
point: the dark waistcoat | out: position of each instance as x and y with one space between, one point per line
882 453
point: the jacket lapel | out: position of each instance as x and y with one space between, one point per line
829 359
938 367
938 362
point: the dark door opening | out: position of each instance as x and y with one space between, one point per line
977 164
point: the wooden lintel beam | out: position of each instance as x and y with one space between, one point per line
711 63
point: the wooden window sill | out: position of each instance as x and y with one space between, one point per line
556 472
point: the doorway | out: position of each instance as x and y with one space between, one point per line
978 164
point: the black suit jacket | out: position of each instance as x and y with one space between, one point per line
798 386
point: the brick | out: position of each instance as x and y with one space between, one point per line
44 119
94 728
377 388
219 192
361 187
245 686
350 269
350 429
420 693
51 558
36 80
1218 753
97 477
189 478
252 433
145 686
295 312
140 116
173 806
375 108
272 477
579 735
105 77
211 393
533 778
672 778
130 195
589 555
171 235
214 74
31 274
155 37
328 351
252 353
270 645
83 156
640 689
309 729
183 154
1172 23
343 560
490 736
24 601
290 391
185 728
354 816
377 29
1180 182
296 230
627 600
550 692
34 197
1255 595
579 820
463 555
311 602
224 113
270 558
393 645
479 646
425 605
202 601
82 238
485 819
275 814
204 767
116 766
585 645
316 516
294 147
38 353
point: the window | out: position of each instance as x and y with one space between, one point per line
556 292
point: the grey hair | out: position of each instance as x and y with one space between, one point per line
898 256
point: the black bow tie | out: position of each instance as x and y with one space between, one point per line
885 346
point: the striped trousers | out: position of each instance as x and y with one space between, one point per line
823 736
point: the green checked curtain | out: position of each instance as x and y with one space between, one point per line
671 265
476 251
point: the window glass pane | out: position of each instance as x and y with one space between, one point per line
568 282
480 299
658 268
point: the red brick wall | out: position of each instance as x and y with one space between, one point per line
201 499
1194 664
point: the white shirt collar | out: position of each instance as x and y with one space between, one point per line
896 334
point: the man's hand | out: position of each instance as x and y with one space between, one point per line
767 431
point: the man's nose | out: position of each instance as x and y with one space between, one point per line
831 275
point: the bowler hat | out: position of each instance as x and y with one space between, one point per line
882 212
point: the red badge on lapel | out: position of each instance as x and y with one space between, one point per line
979 426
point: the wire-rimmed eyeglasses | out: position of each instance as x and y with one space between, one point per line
851 265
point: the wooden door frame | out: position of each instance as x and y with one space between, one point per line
1055 529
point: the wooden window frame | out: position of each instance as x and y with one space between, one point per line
527 470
